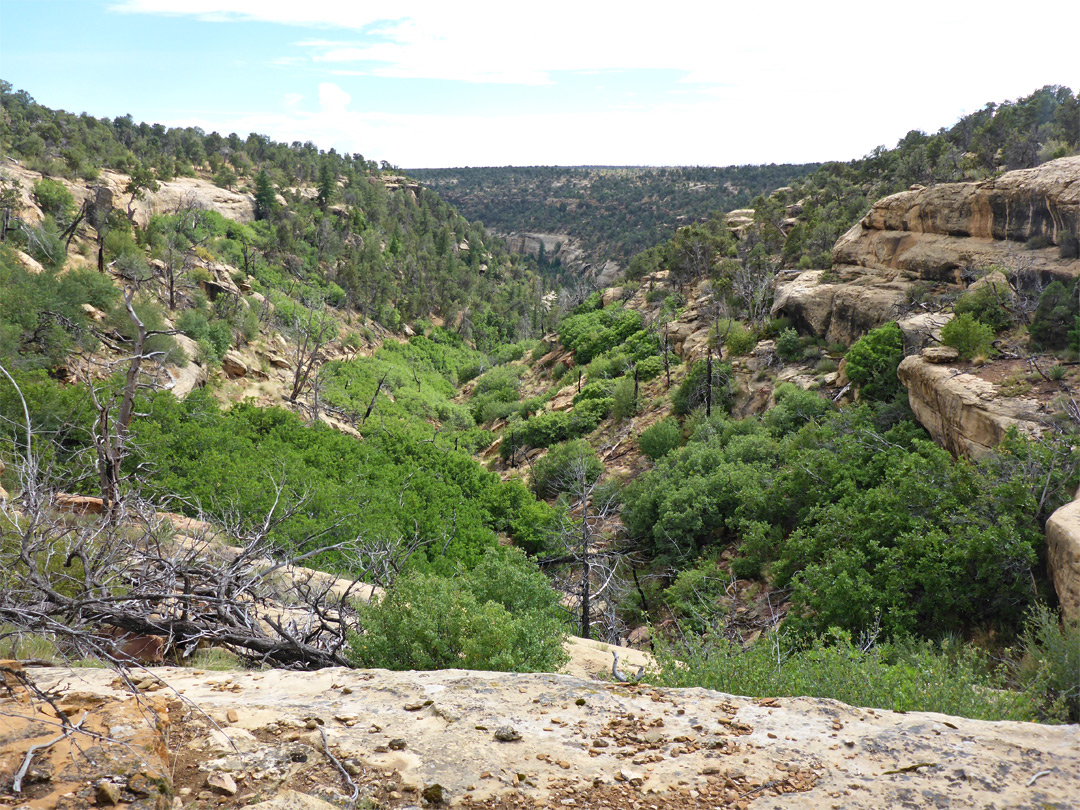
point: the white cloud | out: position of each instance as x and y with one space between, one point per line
783 81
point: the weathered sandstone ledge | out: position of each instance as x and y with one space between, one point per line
934 234
506 740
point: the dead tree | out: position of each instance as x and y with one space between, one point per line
115 412
97 214
75 581
585 567
311 331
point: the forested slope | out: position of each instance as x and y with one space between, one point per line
613 211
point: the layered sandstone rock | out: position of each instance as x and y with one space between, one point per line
964 413
933 234
1063 557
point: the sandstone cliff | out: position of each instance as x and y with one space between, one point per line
934 234
963 412
1063 557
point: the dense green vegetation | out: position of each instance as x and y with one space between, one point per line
868 525
615 212
364 240
904 675
503 615
885 556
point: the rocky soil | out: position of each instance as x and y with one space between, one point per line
189 738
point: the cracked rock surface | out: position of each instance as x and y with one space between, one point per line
291 739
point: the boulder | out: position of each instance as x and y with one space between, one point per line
940 354
1063 557
234 365
841 310
963 412
922 328
79 504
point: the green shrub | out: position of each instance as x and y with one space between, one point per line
967 335
500 378
649 368
794 408
692 391
560 468
789 346
591 333
1051 663
657 440
698 596
985 306
624 399
486 621
872 361
738 340
1055 316
656 294
54 200
1069 247
215 337
904 675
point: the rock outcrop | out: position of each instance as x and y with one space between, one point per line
482 739
170 196
1063 557
963 412
932 234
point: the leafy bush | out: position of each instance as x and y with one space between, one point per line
985 305
697 595
737 338
967 335
560 468
31 339
866 526
503 617
794 408
904 675
45 244
500 378
657 440
214 336
789 346
624 401
591 333
872 361
54 200
1051 662
649 368
1056 315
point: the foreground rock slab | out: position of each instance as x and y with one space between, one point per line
413 739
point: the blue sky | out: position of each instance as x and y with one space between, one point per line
421 83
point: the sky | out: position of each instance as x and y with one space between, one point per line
437 84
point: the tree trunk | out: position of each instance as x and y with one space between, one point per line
708 384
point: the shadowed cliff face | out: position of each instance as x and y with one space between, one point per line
934 234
